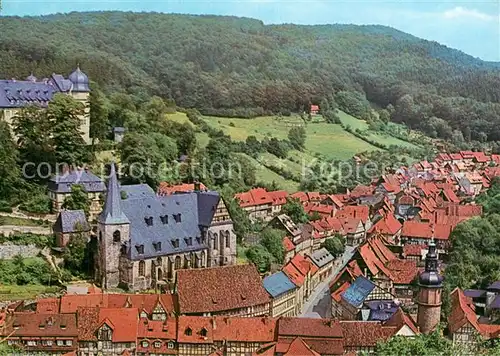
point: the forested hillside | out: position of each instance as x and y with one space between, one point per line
240 67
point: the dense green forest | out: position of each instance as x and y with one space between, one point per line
240 67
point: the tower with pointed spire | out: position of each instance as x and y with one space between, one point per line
114 231
429 296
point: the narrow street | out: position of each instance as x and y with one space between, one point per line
319 300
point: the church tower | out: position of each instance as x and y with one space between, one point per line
114 232
80 91
429 295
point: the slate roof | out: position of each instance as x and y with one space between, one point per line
494 286
381 310
112 212
118 129
277 284
321 257
62 182
137 191
358 291
220 289
496 303
68 219
19 93
474 293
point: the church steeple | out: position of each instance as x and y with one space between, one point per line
431 277
112 212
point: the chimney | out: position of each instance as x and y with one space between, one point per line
214 323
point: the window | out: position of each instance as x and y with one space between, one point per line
177 217
215 241
145 344
142 268
116 236
203 332
104 334
170 345
175 243
144 315
177 262
157 246
31 343
164 219
157 344
189 241
100 236
140 249
228 236
188 332
60 343
149 220
69 342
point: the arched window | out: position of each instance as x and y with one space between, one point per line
228 238
202 259
215 241
177 263
116 236
100 236
193 260
188 331
142 268
159 262
203 332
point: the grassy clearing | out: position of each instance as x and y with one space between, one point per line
241 257
266 175
331 141
7 220
271 159
201 137
27 292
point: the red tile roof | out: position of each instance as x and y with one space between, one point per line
254 197
413 250
361 212
298 347
363 334
361 191
423 230
279 197
39 325
402 271
157 329
288 244
307 327
400 319
302 196
261 330
219 290
336 295
123 322
195 330
47 306
167 189
294 274
387 225
461 313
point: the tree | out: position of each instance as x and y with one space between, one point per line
272 240
384 115
99 121
76 255
155 110
77 200
186 138
260 257
335 245
425 345
32 129
64 114
331 117
9 170
253 146
294 209
297 137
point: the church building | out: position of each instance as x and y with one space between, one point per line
145 238
16 94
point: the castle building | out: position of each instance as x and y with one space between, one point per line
144 238
16 94
429 296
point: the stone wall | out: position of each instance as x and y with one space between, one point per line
8 230
9 250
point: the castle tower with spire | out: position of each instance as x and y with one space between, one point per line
114 231
429 295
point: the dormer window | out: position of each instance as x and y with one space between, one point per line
157 344
104 333
188 332
204 332
189 241
149 221
145 344
164 219
175 243
140 249
177 218
157 246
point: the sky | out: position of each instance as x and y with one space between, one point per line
471 26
